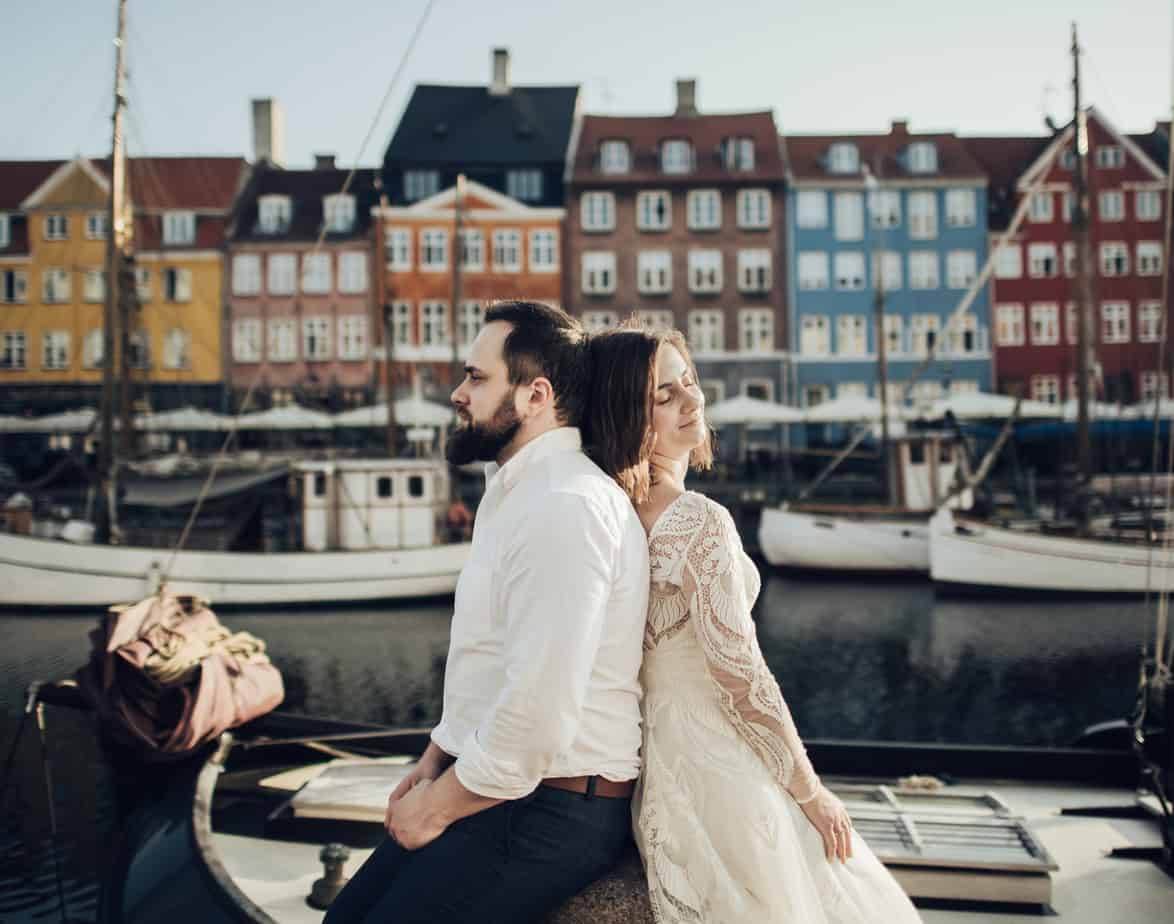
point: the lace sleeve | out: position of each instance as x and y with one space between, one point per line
748 692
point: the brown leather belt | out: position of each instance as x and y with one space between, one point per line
592 786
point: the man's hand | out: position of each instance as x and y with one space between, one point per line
431 764
412 822
830 818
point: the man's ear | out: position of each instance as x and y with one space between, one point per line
541 397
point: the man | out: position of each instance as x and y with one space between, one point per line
522 797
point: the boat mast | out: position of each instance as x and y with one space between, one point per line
872 185
1083 294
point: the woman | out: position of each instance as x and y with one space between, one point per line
731 820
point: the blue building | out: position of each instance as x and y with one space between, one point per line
905 212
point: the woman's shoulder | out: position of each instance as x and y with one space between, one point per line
690 512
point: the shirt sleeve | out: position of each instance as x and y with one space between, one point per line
556 580
747 690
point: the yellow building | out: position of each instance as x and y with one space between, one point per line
53 280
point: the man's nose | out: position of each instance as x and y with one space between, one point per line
458 395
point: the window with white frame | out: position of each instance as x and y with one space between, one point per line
316 273
1042 208
884 205
961 208
282 340
398 243
434 324
420 184
964 387
815 335
470 320
1067 204
316 338
813 270
1041 260
1069 255
849 216
843 157
811 207
614 157
962 335
653 211
14 287
961 268
55 285
703 209
544 250
849 270
177 349
352 272
1114 259
894 334
246 340
5 230
525 185
55 350
1111 205
282 273
507 250
1114 322
852 335
924 329
1149 258
1008 262
1045 323
1009 325
758 388
852 390
705 271
1147 204
753 208
656 318
15 350
923 269
706 331
56 227
597 211
1154 385
1045 388
94 286
434 250
338 211
139 350
472 249
738 153
1149 322
756 330
599 272
923 215
922 157
274 214
654 272
92 349
676 156
401 324
97 227
179 227
595 322
246 274
886 270
1110 156
352 337
754 271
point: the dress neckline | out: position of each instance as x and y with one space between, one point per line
660 517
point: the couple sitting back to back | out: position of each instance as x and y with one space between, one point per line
604 678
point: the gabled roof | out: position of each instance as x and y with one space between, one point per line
20 178
306 190
644 135
479 200
807 155
461 125
196 183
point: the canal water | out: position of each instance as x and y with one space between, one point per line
856 660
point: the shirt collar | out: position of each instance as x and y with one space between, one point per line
560 439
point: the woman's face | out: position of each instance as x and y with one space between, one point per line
678 412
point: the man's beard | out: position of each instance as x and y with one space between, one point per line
476 442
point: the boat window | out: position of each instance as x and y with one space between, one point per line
946 454
916 453
416 486
320 485
383 486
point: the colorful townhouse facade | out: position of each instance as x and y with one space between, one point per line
1034 287
903 212
677 220
54 225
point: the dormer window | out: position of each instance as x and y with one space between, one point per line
179 227
676 156
524 185
843 158
420 184
615 157
922 157
338 211
274 214
738 153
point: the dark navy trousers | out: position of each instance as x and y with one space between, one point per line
508 864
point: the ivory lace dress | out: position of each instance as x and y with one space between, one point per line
716 811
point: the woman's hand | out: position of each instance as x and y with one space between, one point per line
827 813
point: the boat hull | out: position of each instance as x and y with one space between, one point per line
51 573
971 556
823 542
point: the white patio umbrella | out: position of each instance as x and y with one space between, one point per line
981 404
409 412
185 418
744 409
851 408
287 417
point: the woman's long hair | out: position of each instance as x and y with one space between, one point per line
618 424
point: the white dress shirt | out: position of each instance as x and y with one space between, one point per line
543 665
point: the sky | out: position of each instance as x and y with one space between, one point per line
993 67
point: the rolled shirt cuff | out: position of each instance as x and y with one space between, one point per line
481 773
443 738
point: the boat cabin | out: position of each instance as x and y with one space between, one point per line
928 464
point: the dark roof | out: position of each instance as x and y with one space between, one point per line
644 134
1156 143
306 189
807 154
197 183
468 125
1005 158
19 178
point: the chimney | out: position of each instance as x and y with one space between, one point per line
500 84
900 127
324 161
268 128
686 97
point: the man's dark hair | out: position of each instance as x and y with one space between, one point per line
546 342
